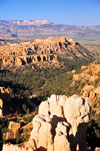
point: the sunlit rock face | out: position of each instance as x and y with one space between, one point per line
60 125
43 52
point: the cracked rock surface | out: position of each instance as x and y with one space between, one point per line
61 124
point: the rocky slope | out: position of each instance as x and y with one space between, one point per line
46 52
87 84
58 126
89 80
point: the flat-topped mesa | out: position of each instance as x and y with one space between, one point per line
25 22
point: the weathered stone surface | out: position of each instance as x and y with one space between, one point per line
42 51
89 80
14 126
10 147
60 125
31 145
61 140
13 129
41 132
68 118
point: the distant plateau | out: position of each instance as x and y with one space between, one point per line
25 30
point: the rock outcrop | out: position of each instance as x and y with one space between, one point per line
60 125
13 129
5 94
4 98
69 118
42 51
89 82
11 147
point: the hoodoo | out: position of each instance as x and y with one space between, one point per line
60 125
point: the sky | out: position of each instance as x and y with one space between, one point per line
67 12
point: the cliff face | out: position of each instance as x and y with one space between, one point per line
60 125
43 51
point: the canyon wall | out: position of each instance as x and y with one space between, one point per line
42 51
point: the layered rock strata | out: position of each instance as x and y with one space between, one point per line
42 51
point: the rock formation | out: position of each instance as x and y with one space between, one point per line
4 98
90 77
13 129
13 126
42 51
69 118
11 147
5 94
60 125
